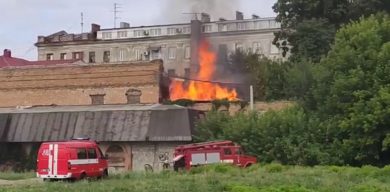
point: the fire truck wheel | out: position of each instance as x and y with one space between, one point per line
83 176
105 173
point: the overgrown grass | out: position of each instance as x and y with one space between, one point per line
16 176
267 178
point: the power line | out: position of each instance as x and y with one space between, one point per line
204 81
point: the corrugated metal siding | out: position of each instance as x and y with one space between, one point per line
123 125
170 125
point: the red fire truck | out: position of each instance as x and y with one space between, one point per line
187 156
74 159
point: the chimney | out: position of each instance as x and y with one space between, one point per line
133 96
239 15
255 16
7 53
205 18
222 19
124 25
196 35
95 28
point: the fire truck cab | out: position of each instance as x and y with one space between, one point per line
187 156
74 159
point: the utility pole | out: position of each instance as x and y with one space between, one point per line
82 22
116 11
251 97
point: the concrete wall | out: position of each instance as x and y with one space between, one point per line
137 154
73 85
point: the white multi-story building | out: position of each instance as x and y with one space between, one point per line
175 44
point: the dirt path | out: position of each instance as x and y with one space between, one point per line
20 182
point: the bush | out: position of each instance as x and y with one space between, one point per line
273 168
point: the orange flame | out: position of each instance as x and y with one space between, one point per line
198 90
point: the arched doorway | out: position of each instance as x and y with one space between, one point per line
116 158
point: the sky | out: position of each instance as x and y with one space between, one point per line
23 20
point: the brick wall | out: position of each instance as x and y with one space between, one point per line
73 85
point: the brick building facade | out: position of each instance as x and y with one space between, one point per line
80 84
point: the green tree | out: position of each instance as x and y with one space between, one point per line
309 25
351 91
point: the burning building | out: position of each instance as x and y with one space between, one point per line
176 44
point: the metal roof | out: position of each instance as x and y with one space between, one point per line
101 122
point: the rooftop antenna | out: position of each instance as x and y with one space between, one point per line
194 15
82 22
116 11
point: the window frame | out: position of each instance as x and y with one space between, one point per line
172 53
78 150
88 153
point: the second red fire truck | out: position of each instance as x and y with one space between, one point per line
187 156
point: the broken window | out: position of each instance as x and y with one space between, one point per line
49 56
77 55
106 56
63 56
91 58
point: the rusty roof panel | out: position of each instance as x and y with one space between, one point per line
154 123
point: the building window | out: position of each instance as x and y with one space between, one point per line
138 54
206 28
186 30
171 73
106 35
222 54
171 52
239 47
155 32
187 73
155 54
106 56
91 57
97 99
63 56
77 55
122 54
49 56
122 34
222 27
187 52
232 27
171 31
138 33
256 48
242 26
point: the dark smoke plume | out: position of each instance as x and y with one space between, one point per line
174 9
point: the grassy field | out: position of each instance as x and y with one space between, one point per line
16 176
268 178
